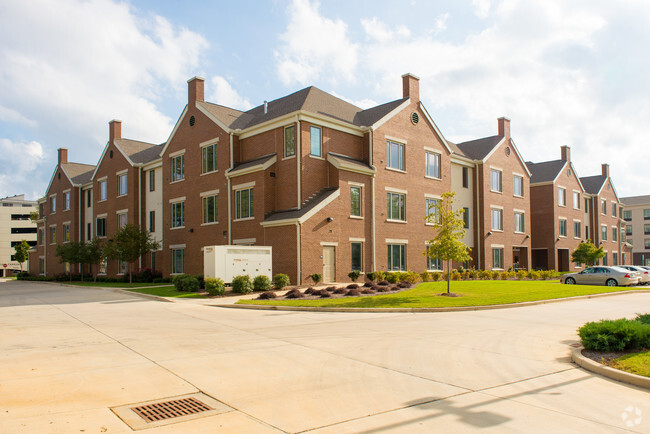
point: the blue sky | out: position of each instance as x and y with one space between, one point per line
566 73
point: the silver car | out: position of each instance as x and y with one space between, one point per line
643 273
602 275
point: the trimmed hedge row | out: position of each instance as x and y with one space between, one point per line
616 335
433 276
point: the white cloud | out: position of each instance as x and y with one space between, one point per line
380 32
225 95
12 116
23 158
314 46
440 23
482 7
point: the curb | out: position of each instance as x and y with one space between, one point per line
420 309
606 371
118 290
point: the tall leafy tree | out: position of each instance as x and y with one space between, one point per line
449 227
587 253
93 253
71 252
129 244
21 253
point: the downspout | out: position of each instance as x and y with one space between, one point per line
299 271
299 161
478 219
230 193
372 200
80 228
44 244
140 207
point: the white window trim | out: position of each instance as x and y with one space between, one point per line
122 172
356 240
245 241
356 184
177 199
396 241
244 219
103 178
177 246
329 243
523 222
396 190
395 139
497 170
122 211
209 193
559 219
395 170
439 154
500 208
560 187
243 186
177 153
214 141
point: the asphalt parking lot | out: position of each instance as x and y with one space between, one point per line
70 358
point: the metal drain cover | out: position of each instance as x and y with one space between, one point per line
170 410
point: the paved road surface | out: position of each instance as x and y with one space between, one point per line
69 355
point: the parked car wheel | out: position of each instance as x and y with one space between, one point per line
611 282
570 281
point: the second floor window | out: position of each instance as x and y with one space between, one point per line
209 158
315 142
628 230
66 233
355 201
102 190
518 185
244 203
497 219
100 227
178 214
561 196
89 198
121 220
178 168
614 209
152 180
576 229
53 235
396 206
646 229
395 155
603 207
495 180
433 165
465 177
152 221
209 209
53 204
433 212
121 185
466 218
603 233
290 141
519 222
627 216
576 200
614 234
66 200
562 228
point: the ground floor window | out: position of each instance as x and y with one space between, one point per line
356 255
244 203
121 266
178 261
497 257
66 233
605 259
433 264
153 260
41 265
396 257
614 258
102 266
100 226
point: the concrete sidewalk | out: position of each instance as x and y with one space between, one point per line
70 355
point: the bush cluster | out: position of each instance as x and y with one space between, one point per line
262 283
280 281
242 284
616 335
186 283
215 286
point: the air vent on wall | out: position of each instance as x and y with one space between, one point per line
192 121
415 118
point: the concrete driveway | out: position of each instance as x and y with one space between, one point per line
68 356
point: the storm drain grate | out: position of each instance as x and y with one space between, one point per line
170 409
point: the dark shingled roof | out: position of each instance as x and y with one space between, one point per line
251 163
78 173
479 148
307 206
310 99
635 200
545 171
359 163
139 152
593 184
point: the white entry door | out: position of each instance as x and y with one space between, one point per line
329 263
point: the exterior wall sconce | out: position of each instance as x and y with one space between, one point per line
330 219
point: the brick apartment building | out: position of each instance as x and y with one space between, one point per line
331 187
636 216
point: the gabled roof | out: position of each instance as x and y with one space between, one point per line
546 171
138 152
635 200
313 205
593 184
478 149
78 173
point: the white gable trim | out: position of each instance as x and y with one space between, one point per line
173 133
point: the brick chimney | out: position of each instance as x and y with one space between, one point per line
195 90
504 127
566 153
63 155
411 87
114 130
605 169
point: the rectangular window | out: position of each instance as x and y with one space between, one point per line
121 266
53 235
495 180
497 219
53 204
356 255
466 218
103 194
603 233
646 214
519 222
396 257
152 180
586 232
394 155
497 257
603 207
646 229
614 258
355 201
152 221
66 233
121 184
244 203
100 226
614 209
627 216
315 141
121 220
209 158
41 236
66 200
210 214
396 206
577 229
89 198
562 228
102 266
178 168
576 200
178 261
628 230
465 177
178 214
614 234
89 231
433 211
433 165
290 141
647 244
518 185
153 260
586 205
41 265
433 264
605 259
561 196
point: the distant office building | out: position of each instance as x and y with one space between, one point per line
15 226
636 214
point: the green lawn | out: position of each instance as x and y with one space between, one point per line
159 289
474 293
114 284
638 363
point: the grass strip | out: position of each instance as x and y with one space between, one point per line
159 289
474 293
637 363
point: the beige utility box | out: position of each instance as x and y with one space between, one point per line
226 262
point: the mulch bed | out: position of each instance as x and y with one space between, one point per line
606 357
315 293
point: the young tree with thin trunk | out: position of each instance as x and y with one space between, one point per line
93 253
449 227
587 253
129 244
22 253
71 253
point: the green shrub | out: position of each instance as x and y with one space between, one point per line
392 277
436 275
316 277
261 283
186 283
615 335
411 277
504 275
242 284
534 275
354 275
280 281
455 275
425 276
473 274
485 275
201 280
376 276
215 286
464 275
521 274
643 318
